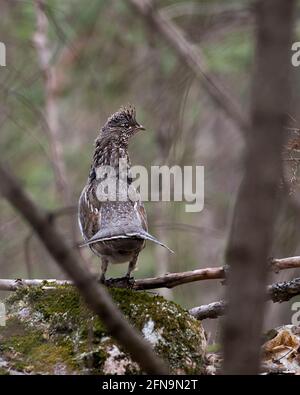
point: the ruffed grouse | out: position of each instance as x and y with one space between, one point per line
114 230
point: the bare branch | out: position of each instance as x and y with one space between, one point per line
282 292
292 262
193 58
14 285
278 292
168 280
171 280
94 294
211 310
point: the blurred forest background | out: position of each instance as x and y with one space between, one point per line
69 68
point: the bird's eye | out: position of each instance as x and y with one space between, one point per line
126 125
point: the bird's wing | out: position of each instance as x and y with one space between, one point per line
141 214
89 213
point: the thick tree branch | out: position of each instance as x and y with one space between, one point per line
168 280
94 294
278 292
284 291
14 285
192 57
171 280
292 262
211 310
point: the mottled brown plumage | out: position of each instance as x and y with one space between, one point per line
114 230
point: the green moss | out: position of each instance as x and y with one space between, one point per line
4 372
28 349
16 336
140 306
47 357
54 327
61 299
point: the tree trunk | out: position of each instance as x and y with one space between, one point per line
257 202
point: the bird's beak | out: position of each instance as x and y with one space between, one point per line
140 127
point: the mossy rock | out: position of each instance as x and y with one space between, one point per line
51 331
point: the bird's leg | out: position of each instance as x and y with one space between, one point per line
104 265
131 267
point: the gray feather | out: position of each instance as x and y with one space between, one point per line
141 234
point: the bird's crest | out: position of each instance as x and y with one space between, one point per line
125 112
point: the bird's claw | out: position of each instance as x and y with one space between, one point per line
120 282
130 281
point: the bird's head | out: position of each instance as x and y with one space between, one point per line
122 124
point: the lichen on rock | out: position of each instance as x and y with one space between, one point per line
51 331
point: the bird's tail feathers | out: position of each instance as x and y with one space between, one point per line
142 234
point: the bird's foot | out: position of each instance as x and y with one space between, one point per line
130 281
120 282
